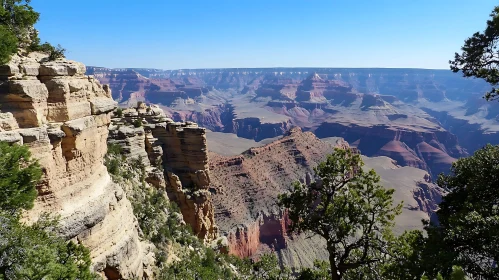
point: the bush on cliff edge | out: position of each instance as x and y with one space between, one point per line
19 175
17 20
32 251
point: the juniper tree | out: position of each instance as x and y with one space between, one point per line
348 208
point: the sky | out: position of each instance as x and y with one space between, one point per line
182 34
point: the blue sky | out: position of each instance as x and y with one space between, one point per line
181 34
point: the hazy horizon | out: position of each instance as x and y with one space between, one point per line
277 67
197 34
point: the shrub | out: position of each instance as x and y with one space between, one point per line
8 45
36 252
137 123
119 112
114 149
19 175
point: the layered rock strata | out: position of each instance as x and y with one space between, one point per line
181 150
62 116
246 188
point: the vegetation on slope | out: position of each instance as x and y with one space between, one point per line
17 20
179 253
355 214
32 251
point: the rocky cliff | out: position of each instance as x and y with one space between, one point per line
180 150
63 116
372 105
430 149
246 186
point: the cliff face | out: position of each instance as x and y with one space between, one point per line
181 150
253 128
62 116
246 188
431 150
263 103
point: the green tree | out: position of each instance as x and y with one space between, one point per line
19 175
8 46
196 266
406 257
17 20
320 271
36 252
468 231
137 123
348 208
19 17
267 267
119 112
480 55
32 251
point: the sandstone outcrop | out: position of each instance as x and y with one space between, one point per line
62 116
180 151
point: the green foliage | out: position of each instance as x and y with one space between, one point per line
480 55
8 46
159 219
114 159
19 175
348 208
320 271
17 20
457 273
468 230
119 112
36 252
114 149
406 257
268 268
204 266
19 17
137 123
53 52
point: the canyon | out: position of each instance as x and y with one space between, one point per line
226 192
246 187
420 118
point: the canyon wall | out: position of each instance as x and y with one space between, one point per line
385 112
180 149
246 187
432 150
63 116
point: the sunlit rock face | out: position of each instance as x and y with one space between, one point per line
62 115
181 150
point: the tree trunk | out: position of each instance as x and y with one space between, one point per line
332 263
